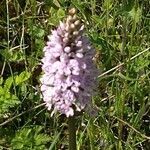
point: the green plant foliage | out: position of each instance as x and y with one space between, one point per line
56 16
27 139
7 100
136 14
24 76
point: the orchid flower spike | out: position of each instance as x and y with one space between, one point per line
69 74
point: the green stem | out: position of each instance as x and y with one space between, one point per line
72 133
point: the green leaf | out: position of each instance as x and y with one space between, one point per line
60 13
1 80
135 14
36 31
8 83
56 16
30 138
108 4
7 100
22 77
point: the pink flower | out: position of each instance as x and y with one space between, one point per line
69 74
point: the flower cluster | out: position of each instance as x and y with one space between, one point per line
69 72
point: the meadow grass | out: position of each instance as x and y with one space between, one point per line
120 32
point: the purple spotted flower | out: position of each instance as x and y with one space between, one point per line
69 75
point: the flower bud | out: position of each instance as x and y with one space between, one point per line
72 26
65 40
69 19
67 28
79 43
67 49
74 18
72 11
66 35
79 55
75 33
80 50
77 23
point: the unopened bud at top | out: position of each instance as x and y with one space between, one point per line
72 11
